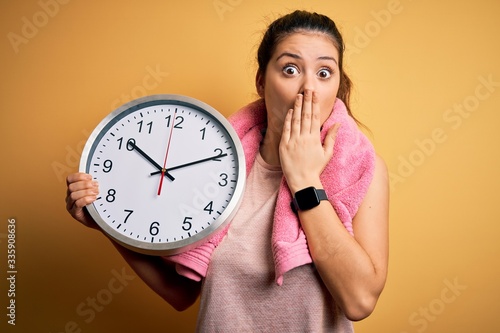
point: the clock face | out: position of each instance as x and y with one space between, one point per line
171 172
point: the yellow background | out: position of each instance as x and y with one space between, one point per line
415 64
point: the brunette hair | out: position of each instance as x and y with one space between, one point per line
297 21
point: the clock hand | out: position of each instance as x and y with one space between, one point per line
163 170
132 144
190 163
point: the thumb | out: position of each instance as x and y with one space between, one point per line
330 137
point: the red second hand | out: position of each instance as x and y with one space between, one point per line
166 154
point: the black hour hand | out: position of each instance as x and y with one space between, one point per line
131 144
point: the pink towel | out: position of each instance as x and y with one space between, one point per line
346 179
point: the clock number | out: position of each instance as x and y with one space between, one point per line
223 181
120 140
111 195
153 229
129 148
108 165
128 215
203 130
179 120
150 124
186 225
208 208
219 152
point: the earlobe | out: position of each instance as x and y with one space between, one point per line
259 84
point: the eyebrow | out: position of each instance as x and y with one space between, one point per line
288 54
328 58
296 56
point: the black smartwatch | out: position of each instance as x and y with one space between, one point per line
307 198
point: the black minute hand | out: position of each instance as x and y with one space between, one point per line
212 158
146 156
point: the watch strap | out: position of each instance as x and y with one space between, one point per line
321 194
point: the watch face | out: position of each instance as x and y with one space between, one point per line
171 172
307 198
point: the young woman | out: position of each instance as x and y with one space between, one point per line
309 144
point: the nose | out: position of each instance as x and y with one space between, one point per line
308 83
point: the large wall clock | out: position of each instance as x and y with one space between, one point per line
171 172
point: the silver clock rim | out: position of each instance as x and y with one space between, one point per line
171 248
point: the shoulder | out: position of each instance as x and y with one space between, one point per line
380 181
381 170
378 190
377 194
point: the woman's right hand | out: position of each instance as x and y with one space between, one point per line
82 190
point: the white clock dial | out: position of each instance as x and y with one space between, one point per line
171 172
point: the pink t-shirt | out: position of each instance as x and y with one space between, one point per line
240 294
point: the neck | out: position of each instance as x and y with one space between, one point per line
269 148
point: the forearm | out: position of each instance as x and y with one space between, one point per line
162 278
345 267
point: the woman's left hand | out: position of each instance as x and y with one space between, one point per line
302 155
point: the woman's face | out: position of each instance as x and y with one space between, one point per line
303 60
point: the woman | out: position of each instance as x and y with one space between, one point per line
303 87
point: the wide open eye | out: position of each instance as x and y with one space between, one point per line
290 70
325 73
